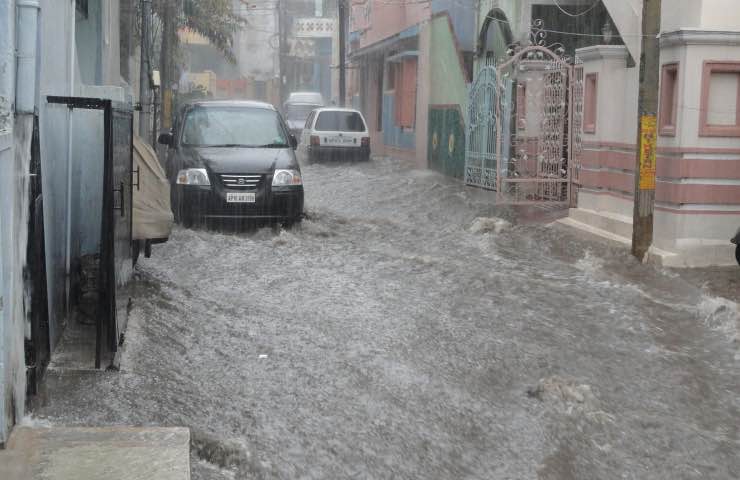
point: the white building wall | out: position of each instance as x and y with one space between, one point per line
697 190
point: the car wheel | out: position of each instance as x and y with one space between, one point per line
737 254
291 222
135 251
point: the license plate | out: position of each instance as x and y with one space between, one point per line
339 141
240 197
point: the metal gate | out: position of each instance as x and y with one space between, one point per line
481 131
521 127
114 265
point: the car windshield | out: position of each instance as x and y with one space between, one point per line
336 121
299 113
233 126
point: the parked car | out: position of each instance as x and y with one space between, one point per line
152 217
736 241
297 108
335 133
230 161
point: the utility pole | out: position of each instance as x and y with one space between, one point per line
144 72
342 13
283 49
167 59
647 137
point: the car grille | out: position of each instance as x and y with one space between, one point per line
242 181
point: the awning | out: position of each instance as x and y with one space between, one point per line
402 55
386 43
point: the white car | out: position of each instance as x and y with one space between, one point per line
335 133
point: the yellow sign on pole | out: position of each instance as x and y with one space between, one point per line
648 147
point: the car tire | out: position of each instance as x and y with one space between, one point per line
737 254
135 251
291 222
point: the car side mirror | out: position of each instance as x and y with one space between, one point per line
293 142
165 139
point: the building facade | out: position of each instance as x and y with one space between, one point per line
697 187
50 48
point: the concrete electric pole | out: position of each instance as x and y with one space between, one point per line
647 130
144 73
342 14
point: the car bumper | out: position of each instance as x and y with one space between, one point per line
205 203
338 152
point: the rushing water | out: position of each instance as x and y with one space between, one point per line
411 329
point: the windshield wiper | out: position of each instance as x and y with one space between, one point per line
273 145
229 145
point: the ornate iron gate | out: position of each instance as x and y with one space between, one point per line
481 130
523 118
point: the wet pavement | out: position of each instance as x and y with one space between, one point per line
409 328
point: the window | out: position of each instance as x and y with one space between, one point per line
229 126
590 101
405 103
309 120
668 99
719 114
339 121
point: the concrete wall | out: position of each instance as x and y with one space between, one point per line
697 190
7 92
698 176
15 154
57 77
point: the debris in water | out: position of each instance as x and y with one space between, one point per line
488 225
556 388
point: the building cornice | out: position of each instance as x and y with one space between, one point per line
603 52
699 37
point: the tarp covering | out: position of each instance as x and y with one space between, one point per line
153 217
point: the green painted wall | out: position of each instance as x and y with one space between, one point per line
446 141
448 86
448 98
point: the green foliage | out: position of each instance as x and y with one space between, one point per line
214 19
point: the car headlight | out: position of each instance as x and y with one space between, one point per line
193 176
283 178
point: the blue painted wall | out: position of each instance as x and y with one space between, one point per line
392 134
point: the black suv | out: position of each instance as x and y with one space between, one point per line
230 161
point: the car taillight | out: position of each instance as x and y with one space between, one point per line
315 141
365 141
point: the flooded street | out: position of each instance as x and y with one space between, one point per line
409 328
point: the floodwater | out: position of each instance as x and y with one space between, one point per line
409 328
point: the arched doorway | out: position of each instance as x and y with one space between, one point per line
494 38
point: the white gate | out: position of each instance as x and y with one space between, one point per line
523 118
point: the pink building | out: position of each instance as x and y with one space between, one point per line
697 189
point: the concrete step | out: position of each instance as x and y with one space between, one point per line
113 453
618 225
